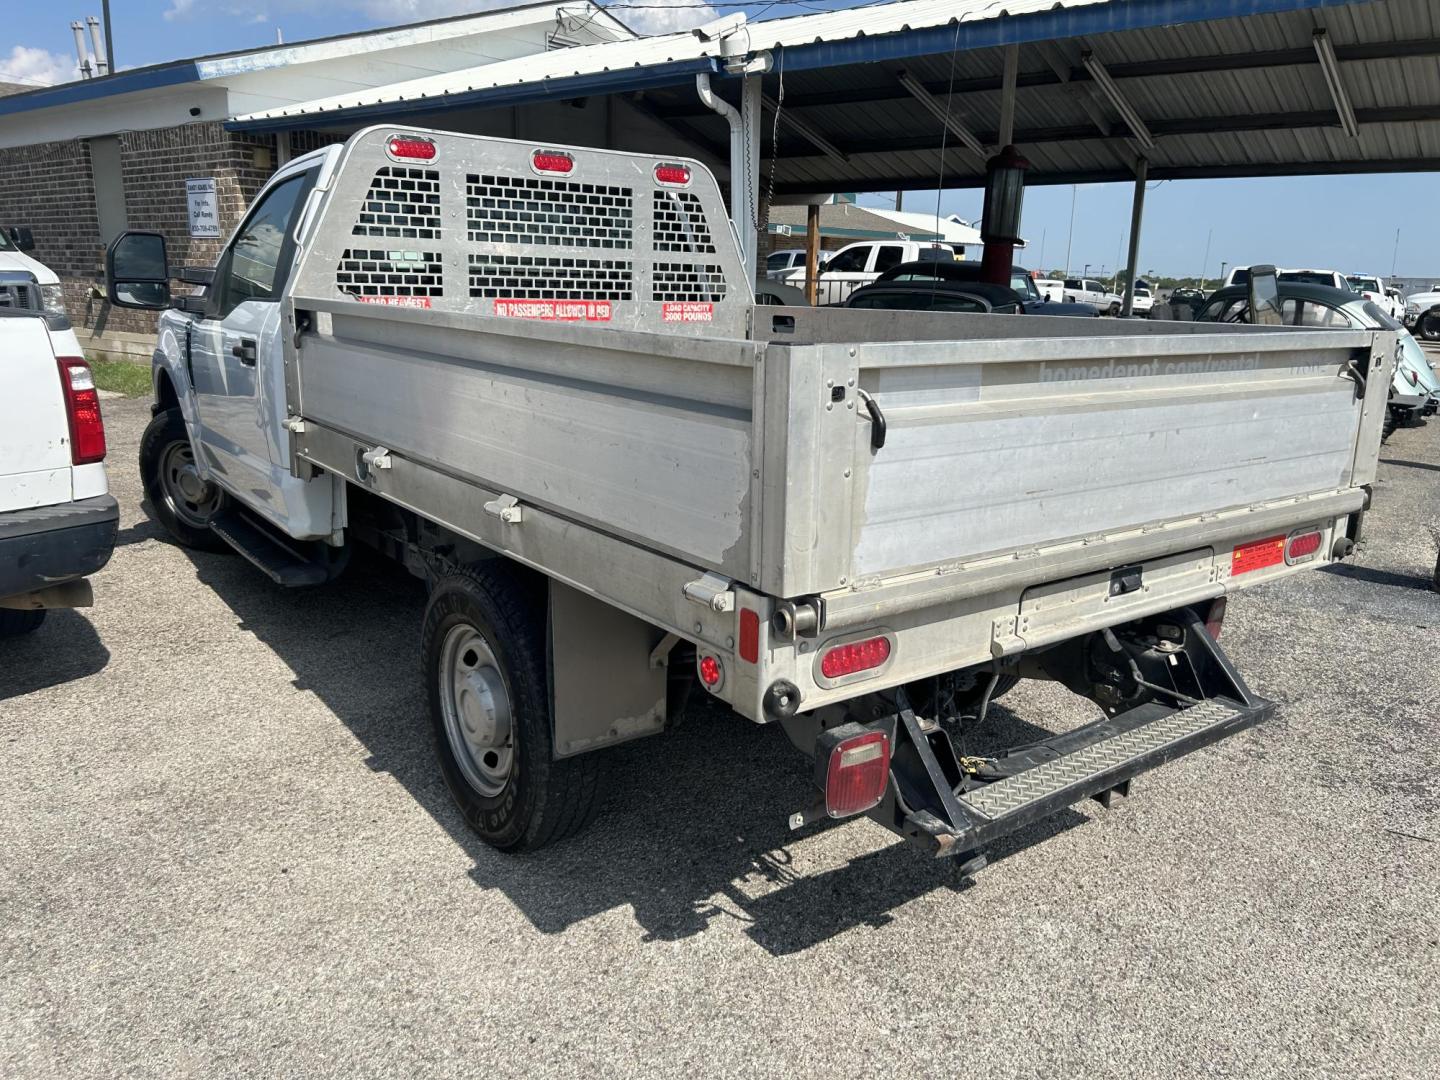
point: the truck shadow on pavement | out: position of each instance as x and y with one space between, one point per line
694 830
64 648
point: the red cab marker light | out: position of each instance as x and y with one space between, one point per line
1302 546
672 174
711 673
552 161
855 656
82 409
410 148
856 774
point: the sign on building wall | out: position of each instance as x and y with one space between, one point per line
204 208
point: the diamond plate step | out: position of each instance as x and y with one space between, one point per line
1049 779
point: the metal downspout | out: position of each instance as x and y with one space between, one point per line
739 182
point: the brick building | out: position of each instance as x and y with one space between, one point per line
83 161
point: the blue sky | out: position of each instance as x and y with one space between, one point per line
1347 223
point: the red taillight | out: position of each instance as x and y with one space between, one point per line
411 148
552 161
749 636
82 407
1414 377
710 671
1302 546
855 656
856 775
672 175
1215 620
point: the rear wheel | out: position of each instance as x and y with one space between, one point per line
483 649
180 499
1428 327
1391 422
13 623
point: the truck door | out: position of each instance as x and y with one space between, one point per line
235 352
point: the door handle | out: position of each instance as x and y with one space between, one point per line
244 351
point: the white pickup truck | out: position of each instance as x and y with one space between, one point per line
57 518
1089 291
537 377
861 263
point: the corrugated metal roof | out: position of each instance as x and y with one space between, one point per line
1227 87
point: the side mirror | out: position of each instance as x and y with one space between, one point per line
21 237
1264 297
136 272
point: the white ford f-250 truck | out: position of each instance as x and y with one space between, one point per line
536 376
57 518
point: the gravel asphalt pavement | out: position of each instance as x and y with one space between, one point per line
226 851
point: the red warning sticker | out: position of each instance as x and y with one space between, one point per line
687 311
556 310
396 301
1257 555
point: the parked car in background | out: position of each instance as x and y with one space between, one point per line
1414 389
1422 314
57 517
778 262
1142 301
777 293
969 272
969 297
26 284
861 263
1050 288
1186 296
1375 288
1090 291
1240 275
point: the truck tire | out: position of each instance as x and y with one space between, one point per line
179 499
1388 426
484 661
1428 327
14 622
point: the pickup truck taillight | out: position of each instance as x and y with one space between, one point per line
82 408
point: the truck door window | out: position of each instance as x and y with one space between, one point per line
257 263
889 255
849 261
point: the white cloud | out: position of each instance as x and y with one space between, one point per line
665 16
179 9
647 17
36 67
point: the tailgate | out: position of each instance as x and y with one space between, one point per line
1006 448
34 432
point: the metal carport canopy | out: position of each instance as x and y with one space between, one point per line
1201 88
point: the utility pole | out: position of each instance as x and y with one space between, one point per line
1071 235
1223 264
1395 255
1205 266
109 35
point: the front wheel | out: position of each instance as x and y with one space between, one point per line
180 499
1114 310
1390 423
1428 328
484 662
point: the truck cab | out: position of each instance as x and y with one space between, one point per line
26 284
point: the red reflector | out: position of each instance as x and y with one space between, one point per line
855 656
552 161
1257 555
1302 546
411 148
710 671
749 636
856 776
82 408
675 175
1215 620
1414 377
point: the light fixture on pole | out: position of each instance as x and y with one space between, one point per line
1330 68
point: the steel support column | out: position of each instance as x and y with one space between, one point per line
1137 211
812 253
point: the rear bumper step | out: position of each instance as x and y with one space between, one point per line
1096 759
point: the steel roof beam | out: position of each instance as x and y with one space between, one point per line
805 130
1121 175
942 111
1330 68
1121 104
